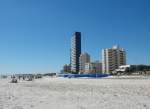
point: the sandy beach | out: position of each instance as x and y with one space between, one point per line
61 93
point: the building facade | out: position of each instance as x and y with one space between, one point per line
67 68
112 58
84 58
75 52
93 67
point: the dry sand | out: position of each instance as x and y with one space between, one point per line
60 93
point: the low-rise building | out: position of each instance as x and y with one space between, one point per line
93 67
67 68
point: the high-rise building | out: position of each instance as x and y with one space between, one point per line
112 58
84 58
93 67
75 52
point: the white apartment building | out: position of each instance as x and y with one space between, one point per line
112 58
84 58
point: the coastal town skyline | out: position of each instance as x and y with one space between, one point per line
35 35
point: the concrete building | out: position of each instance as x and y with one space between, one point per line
93 67
67 68
75 52
84 58
112 58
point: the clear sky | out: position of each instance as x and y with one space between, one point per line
35 34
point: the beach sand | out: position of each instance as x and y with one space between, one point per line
61 93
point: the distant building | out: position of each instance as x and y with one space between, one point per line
84 58
132 69
112 58
93 67
75 52
123 69
67 68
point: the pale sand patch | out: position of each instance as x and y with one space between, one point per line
60 93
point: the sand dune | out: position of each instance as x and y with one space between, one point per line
59 93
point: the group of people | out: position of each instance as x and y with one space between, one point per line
16 78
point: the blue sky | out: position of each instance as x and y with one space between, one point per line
35 34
